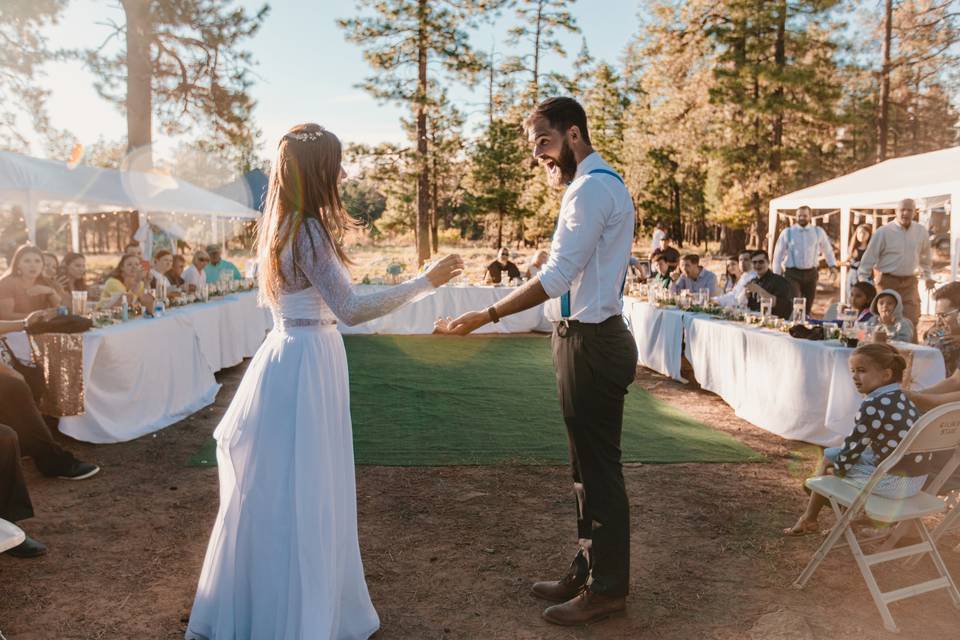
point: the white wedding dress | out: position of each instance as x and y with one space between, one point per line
283 561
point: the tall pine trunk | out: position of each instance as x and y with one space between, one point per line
139 72
883 115
423 179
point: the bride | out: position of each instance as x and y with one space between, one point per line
283 561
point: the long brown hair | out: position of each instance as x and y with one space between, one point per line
21 251
303 185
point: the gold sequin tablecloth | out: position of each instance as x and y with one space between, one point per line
61 356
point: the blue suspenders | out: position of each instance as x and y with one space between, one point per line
565 298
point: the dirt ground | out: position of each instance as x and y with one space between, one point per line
450 552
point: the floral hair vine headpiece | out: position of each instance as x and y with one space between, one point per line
307 136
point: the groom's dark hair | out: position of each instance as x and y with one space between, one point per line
562 113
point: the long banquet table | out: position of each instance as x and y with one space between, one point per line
147 374
798 389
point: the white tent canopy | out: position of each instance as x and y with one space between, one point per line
931 179
47 186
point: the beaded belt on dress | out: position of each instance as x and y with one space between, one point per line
305 322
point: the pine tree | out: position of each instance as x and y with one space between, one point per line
401 36
540 22
606 103
181 61
24 51
499 175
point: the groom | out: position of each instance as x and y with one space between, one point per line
593 352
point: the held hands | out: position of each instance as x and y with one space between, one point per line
461 326
39 316
444 270
40 290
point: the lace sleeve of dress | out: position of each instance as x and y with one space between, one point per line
318 262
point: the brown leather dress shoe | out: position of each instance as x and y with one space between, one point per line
585 608
557 590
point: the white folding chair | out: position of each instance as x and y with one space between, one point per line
10 535
938 430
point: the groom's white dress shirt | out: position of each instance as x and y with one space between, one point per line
591 246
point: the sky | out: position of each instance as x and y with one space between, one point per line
306 70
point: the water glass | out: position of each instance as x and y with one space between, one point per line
799 311
78 303
766 307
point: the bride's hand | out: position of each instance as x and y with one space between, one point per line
444 270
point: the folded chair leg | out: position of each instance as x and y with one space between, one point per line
948 523
938 562
832 538
872 585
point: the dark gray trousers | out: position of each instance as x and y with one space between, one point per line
595 364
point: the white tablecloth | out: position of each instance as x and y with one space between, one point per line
418 317
658 334
147 374
798 389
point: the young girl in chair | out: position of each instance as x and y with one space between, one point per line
883 420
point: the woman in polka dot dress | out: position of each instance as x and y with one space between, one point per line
884 418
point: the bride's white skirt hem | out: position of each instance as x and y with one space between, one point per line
283 561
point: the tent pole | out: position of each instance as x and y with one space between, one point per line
75 231
771 230
954 233
30 218
844 251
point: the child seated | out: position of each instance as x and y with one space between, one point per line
887 310
883 420
861 298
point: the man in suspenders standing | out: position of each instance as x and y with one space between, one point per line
593 352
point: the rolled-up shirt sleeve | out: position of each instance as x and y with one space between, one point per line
580 226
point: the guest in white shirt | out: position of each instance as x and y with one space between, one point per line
797 255
659 231
738 296
194 276
898 250
535 264
162 263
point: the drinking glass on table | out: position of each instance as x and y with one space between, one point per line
799 315
78 302
766 307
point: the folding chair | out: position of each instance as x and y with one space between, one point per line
938 430
10 535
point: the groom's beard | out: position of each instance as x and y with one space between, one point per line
561 170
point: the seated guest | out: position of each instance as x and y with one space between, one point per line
731 275
133 248
861 300
769 285
670 253
496 268
695 278
73 273
945 334
218 266
887 309
535 263
661 273
162 263
194 277
877 371
175 274
24 432
126 281
51 265
737 297
23 289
